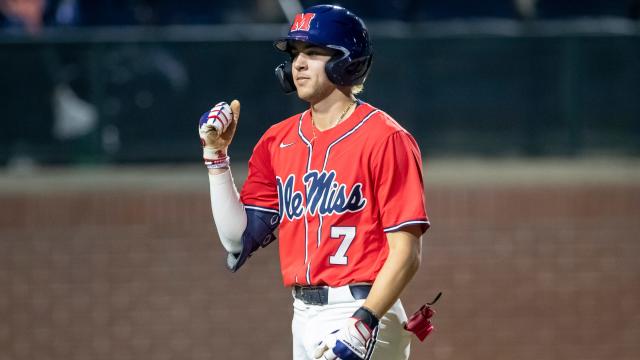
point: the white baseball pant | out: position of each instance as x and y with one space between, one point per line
311 323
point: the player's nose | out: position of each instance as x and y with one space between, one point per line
300 62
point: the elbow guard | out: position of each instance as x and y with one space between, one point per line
258 233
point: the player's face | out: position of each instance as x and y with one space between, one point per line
309 74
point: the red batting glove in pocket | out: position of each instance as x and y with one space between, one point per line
420 322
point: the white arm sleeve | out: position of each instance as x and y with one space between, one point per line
228 211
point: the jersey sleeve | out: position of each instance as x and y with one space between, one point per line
260 191
398 183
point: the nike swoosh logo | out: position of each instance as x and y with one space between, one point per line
283 145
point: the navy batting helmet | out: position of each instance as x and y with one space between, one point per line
335 28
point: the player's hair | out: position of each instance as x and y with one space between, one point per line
357 89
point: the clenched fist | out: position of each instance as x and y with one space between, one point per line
216 129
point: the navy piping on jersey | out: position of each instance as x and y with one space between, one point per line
406 223
306 229
319 231
326 155
306 224
304 139
269 210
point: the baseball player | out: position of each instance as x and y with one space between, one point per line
342 183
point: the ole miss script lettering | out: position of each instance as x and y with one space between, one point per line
324 196
338 192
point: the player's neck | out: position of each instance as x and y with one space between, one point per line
332 110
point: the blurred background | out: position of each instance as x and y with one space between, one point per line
527 113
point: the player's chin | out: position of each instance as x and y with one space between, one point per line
304 94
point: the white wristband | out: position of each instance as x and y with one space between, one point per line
221 163
228 212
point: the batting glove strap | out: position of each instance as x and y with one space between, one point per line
367 317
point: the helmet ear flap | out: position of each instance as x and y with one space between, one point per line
284 73
358 69
346 72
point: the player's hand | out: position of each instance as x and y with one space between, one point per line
348 343
216 129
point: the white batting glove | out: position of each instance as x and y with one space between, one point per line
350 342
216 129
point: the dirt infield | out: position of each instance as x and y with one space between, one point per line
536 260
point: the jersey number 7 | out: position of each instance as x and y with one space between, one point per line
349 233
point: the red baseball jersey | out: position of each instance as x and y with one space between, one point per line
337 193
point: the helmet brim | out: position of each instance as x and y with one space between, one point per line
284 44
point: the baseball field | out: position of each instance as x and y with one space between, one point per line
537 259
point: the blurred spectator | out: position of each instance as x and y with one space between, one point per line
32 15
24 15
